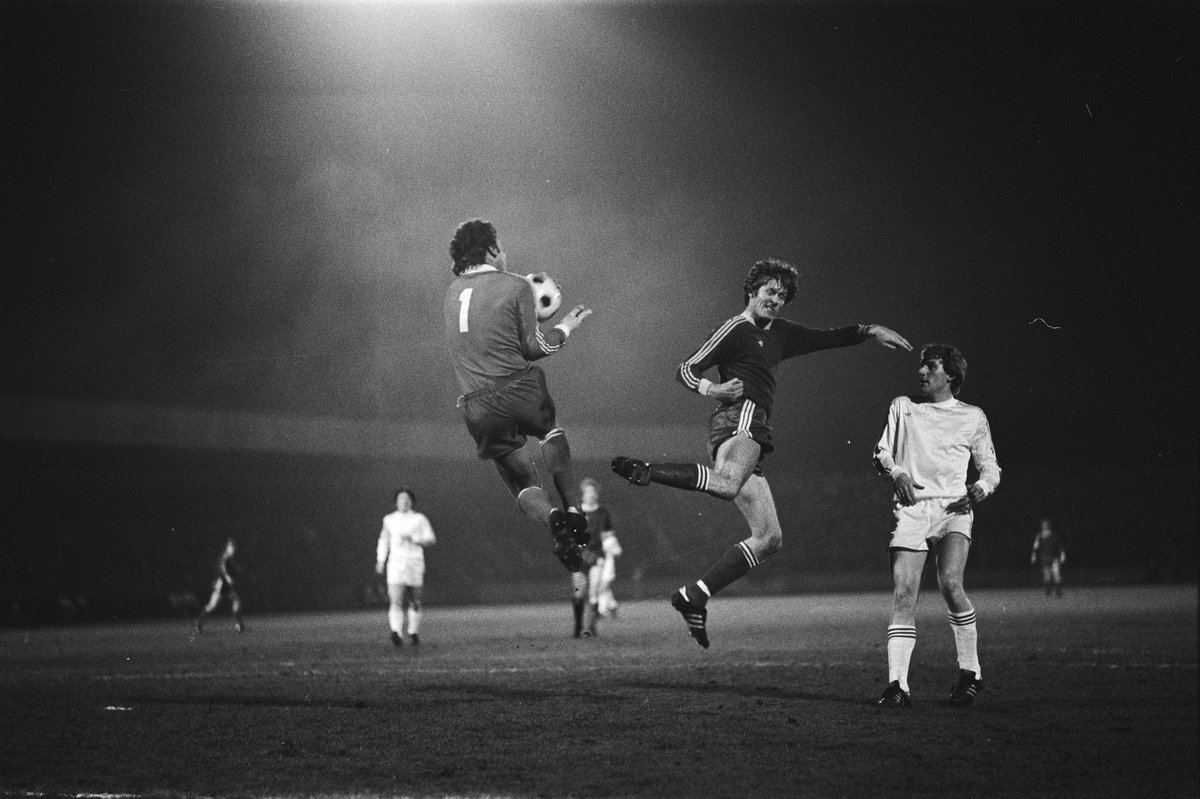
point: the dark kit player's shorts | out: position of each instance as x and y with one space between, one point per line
742 418
500 416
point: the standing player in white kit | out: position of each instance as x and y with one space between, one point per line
401 555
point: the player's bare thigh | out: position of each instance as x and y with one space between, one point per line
733 464
952 552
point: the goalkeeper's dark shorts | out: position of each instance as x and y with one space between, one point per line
742 418
501 416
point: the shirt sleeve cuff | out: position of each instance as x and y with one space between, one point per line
566 331
703 387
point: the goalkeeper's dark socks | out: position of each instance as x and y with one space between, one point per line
688 476
733 564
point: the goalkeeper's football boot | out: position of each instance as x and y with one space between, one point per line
967 688
577 525
635 471
566 530
396 639
695 616
894 696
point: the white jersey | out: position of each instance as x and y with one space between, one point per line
402 543
932 442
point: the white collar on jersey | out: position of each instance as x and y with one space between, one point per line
473 270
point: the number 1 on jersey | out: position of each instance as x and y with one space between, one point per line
464 302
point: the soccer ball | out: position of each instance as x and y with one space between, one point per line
546 294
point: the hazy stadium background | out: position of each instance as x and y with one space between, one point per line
224 256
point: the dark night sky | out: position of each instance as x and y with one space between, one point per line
246 207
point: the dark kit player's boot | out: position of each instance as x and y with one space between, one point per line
635 471
695 616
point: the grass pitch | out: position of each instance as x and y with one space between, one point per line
1091 695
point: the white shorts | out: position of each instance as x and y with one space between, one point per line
587 582
406 572
918 525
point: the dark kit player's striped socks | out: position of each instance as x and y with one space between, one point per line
688 476
733 564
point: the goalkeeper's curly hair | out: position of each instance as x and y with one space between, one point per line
953 363
769 269
472 243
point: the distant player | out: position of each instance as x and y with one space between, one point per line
607 604
1050 554
223 587
493 332
588 586
924 451
746 350
400 554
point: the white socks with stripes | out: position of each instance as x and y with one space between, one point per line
966 641
901 640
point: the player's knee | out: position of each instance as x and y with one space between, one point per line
952 590
723 491
770 545
724 485
904 596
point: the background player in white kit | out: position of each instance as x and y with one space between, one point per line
924 450
607 604
401 555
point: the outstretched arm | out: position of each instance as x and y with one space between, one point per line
534 343
887 337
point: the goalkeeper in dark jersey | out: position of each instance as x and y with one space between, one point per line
494 336
745 349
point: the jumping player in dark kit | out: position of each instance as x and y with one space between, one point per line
493 333
746 350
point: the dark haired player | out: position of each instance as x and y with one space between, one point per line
746 350
493 332
924 451
400 557
1049 552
